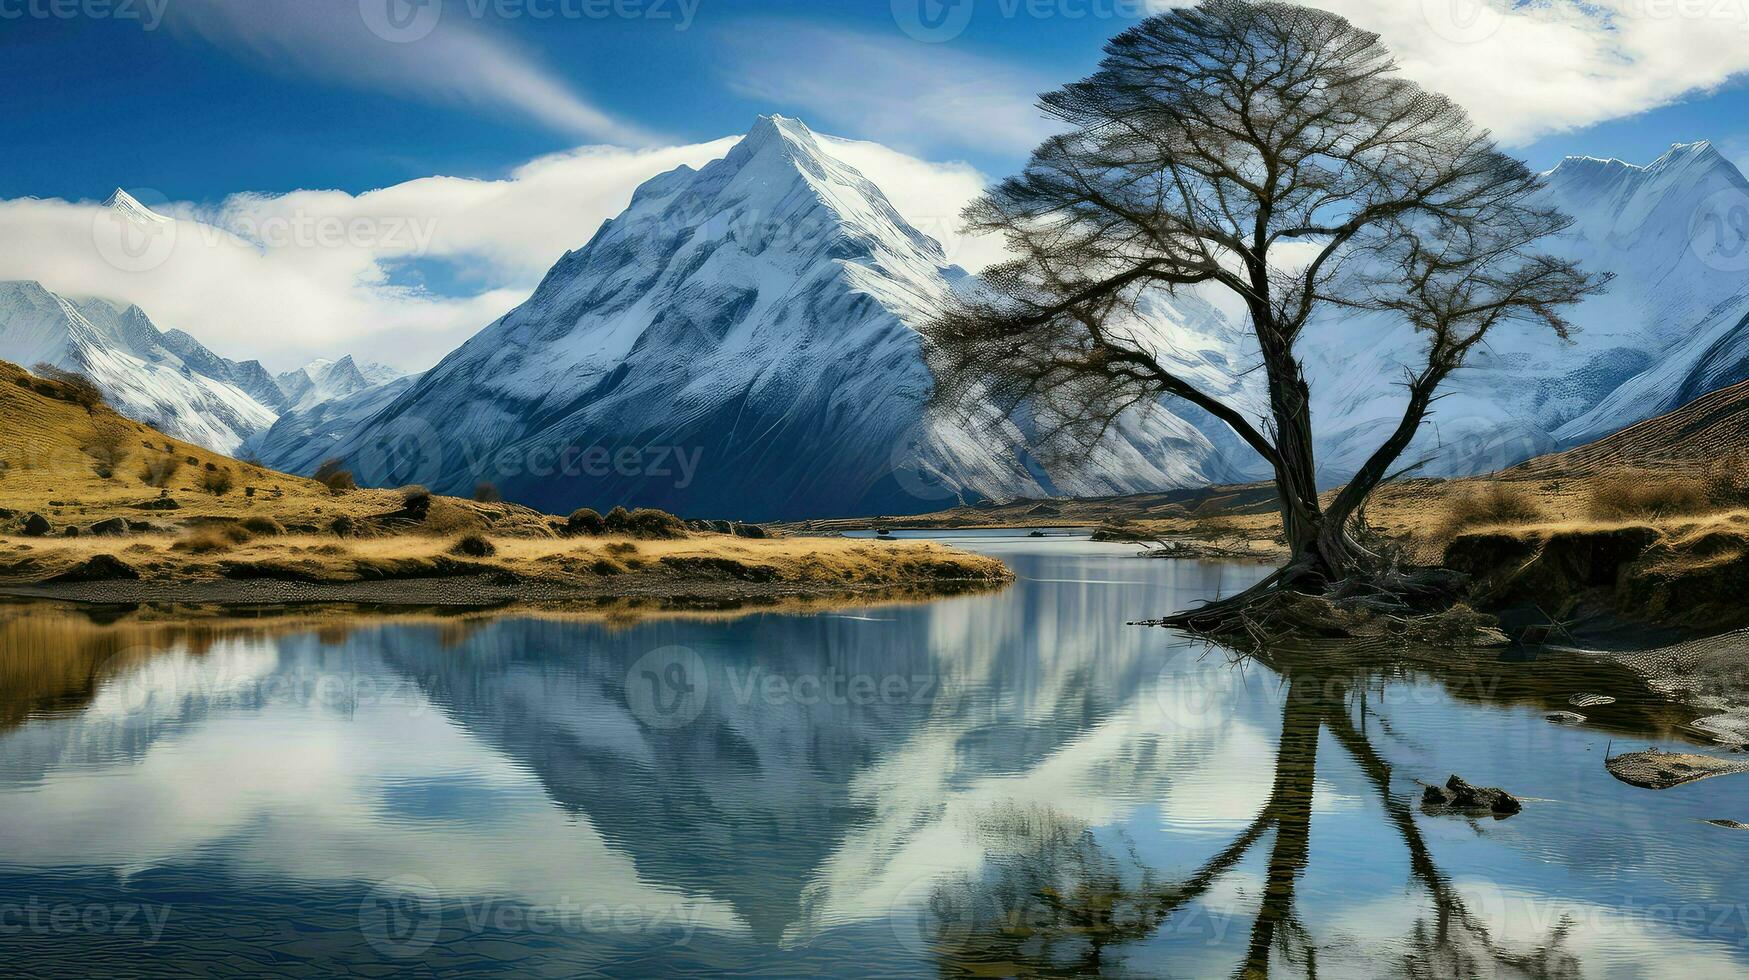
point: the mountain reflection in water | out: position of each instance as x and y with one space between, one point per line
990 785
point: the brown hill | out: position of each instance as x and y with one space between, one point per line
1693 438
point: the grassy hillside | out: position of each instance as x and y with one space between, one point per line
95 506
77 464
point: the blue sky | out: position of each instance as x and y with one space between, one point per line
193 113
236 114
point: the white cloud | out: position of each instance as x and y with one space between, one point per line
1527 69
359 43
908 95
931 196
289 277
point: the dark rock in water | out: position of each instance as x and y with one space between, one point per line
110 528
1590 700
1036 534
1565 717
99 568
1730 824
1655 769
35 526
1459 796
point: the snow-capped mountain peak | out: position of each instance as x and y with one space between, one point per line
126 204
757 317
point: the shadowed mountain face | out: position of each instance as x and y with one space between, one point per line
756 319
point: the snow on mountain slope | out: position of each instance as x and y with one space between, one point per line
739 342
123 352
304 437
1668 329
323 380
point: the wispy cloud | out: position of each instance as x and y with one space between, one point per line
915 97
407 47
1527 69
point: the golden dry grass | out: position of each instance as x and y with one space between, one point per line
51 452
279 524
212 554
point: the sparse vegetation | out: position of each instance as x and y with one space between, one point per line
217 480
1626 496
157 470
263 527
1727 480
109 445
486 493
212 543
1492 503
212 539
72 386
334 475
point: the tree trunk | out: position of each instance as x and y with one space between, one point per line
1317 548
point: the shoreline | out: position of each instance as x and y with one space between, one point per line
489 591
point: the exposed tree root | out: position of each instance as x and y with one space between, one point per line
1418 607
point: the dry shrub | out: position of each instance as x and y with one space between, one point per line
1630 495
158 471
584 522
645 522
70 386
1727 481
263 527
1493 503
212 538
109 445
334 475
416 499
486 493
217 482
445 518
474 546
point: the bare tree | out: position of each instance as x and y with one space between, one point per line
1271 151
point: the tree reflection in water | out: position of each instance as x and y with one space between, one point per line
1067 906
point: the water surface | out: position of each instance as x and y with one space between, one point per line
1005 784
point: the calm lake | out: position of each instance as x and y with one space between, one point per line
1008 784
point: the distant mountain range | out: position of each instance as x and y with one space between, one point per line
165 377
1671 327
742 341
